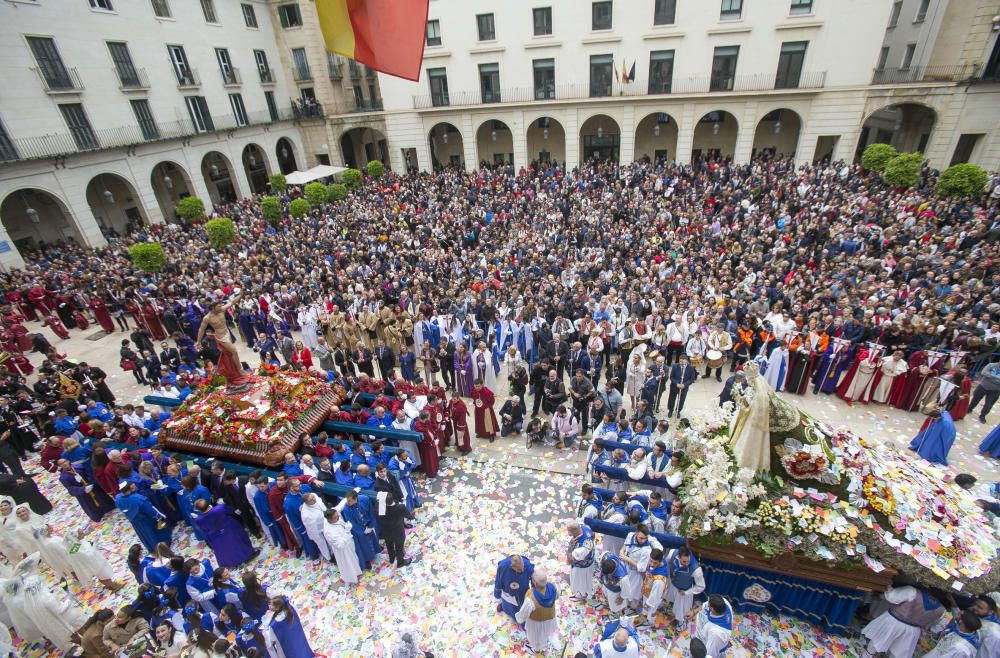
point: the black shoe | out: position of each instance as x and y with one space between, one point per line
982 420
718 378
706 376
405 563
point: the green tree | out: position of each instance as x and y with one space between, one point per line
221 232
375 169
278 183
877 156
270 207
962 179
315 194
903 170
191 209
298 208
148 256
351 178
336 192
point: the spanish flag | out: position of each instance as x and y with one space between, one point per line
387 35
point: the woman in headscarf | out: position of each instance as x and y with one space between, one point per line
25 524
10 548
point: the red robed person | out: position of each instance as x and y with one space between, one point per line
430 451
486 418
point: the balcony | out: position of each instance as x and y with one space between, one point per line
231 77
302 74
910 74
336 72
61 144
62 81
355 70
132 79
640 88
187 78
266 76
311 110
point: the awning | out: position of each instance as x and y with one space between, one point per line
317 172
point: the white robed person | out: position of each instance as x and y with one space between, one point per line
656 582
623 643
26 523
54 612
54 552
897 630
337 532
88 561
482 366
538 612
312 512
686 581
635 554
580 555
714 626
961 639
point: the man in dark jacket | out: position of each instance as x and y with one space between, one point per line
234 494
682 375
511 416
539 373
392 518
387 482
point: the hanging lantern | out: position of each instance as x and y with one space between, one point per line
777 126
600 132
169 182
715 128
545 133
656 130
493 135
252 160
444 138
32 215
108 196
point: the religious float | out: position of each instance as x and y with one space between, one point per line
789 515
258 421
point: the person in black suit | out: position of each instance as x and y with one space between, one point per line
170 356
385 359
446 360
234 494
363 359
578 359
216 475
557 352
387 482
682 375
392 517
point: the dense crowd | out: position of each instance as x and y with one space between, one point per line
604 292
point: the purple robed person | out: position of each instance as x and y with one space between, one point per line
225 536
463 373
95 503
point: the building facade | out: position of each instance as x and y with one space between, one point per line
676 79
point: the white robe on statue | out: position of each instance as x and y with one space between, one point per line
341 541
308 321
312 519
541 634
88 561
55 614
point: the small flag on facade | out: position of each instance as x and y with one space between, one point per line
631 73
387 35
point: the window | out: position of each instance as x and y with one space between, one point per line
732 10
790 64
661 71
600 75
208 8
908 55
289 16
600 16
79 126
724 68
272 107
489 82
434 33
239 110
438 79
545 79
486 27
373 95
301 64
229 76
992 69
359 97
263 68
50 65
161 8
883 57
182 70
543 21
922 11
127 74
8 151
664 12
249 15
101 4
200 117
144 116
897 7
801 7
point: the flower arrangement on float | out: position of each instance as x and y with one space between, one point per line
835 497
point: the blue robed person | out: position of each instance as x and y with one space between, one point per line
145 519
293 512
358 513
224 534
512 582
936 438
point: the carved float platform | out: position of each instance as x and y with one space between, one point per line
256 425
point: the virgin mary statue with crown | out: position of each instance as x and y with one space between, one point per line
750 428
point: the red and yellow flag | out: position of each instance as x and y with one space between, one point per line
387 35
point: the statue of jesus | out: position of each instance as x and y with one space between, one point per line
228 364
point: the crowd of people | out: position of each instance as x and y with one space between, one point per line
603 293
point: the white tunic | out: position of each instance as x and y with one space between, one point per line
541 634
581 579
990 635
312 519
952 645
607 649
682 601
10 546
338 536
14 598
632 582
56 616
651 603
889 635
55 554
715 637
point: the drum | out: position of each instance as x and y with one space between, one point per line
716 359
697 360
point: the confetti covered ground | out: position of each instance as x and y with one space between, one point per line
473 514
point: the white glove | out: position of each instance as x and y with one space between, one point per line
88 488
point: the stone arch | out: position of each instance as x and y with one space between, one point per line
115 202
906 125
256 167
546 138
494 142
447 145
171 183
284 149
220 178
777 133
656 137
600 138
715 135
34 216
362 144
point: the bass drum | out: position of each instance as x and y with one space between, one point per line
715 358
